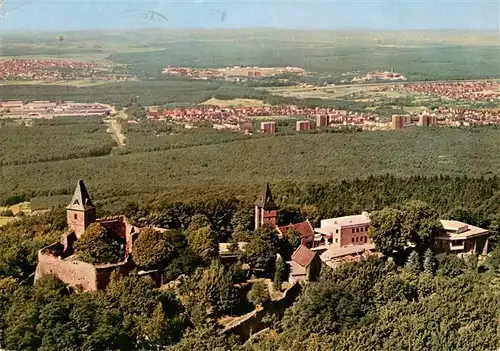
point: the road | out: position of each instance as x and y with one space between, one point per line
116 130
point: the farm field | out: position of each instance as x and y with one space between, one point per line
440 55
237 161
367 92
6 220
69 83
233 102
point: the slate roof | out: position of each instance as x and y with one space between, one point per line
81 200
265 199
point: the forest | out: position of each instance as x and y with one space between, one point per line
61 139
154 162
434 61
419 301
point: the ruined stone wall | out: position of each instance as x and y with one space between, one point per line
73 273
257 320
103 273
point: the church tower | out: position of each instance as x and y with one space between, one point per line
81 211
266 210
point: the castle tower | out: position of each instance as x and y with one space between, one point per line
81 211
266 210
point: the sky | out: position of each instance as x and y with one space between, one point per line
55 15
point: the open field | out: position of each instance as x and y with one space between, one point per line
95 58
297 157
365 91
419 55
5 220
233 102
68 83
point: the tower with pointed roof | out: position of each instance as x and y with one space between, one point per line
266 210
81 212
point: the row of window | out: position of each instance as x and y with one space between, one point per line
357 230
358 239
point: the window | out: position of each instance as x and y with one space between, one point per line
353 230
352 239
75 216
357 239
366 228
336 231
336 240
361 229
357 230
366 238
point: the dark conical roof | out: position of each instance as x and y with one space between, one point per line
81 200
265 199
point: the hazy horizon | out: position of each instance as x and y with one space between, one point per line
402 15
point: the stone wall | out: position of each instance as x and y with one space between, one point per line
103 273
254 321
73 273
78 273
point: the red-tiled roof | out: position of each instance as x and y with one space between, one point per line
304 228
303 256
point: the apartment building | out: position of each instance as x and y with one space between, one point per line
268 127
302 125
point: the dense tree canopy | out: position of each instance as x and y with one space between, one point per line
260 253
151 249
415 223
202 241
258 294
213 288
446 303
386 230
97 245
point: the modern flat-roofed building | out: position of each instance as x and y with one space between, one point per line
423 120
321 121
458 237
398 121
268 127
302 125
344 231
346 239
